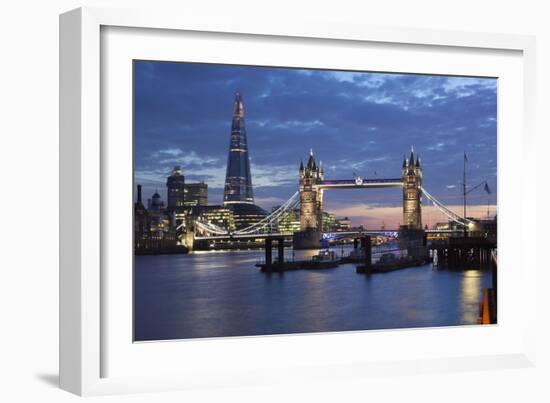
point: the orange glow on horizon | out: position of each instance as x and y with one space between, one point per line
391 217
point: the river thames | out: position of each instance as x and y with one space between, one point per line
222 293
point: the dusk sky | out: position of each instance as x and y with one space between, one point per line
355 122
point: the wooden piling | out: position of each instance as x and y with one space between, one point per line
268 246
281 250
368 252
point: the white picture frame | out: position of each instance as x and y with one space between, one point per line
85 306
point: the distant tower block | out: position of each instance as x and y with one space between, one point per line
175 185
311 200
238 181
412 190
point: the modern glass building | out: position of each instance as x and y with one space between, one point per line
215 214
328 222
238 195
289 222
246 214
175 187
238 181
196 194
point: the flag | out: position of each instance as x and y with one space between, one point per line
465 157
487 189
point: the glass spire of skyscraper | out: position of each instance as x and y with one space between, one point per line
238 181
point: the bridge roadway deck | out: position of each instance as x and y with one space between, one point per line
389 233
290 234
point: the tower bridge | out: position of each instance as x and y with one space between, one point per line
310 198
313 185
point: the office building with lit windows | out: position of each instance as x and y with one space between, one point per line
238 194
289 222
215 214
196 194
175 190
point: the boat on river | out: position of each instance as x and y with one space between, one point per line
325 259
389 262
326 256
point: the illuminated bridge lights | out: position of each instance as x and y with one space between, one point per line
263 227
330 236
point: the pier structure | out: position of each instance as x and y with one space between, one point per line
463 252
309 201
269 265
366 244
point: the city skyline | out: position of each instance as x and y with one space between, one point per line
356 123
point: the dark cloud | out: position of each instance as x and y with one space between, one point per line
355 122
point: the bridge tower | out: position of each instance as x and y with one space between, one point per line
311 199
412 183
188 237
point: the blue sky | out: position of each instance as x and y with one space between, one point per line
354 121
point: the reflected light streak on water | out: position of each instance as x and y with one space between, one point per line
209 294
471 287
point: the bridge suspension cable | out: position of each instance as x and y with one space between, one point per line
205 226
273 218
255 228
287 206
452 215
211 228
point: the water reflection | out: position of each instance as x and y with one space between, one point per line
209 294
471 292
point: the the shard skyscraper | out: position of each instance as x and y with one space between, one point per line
238 181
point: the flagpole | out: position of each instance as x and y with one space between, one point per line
464 193
488 200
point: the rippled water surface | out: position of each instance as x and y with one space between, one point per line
210 294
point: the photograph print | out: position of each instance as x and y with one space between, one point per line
273 200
